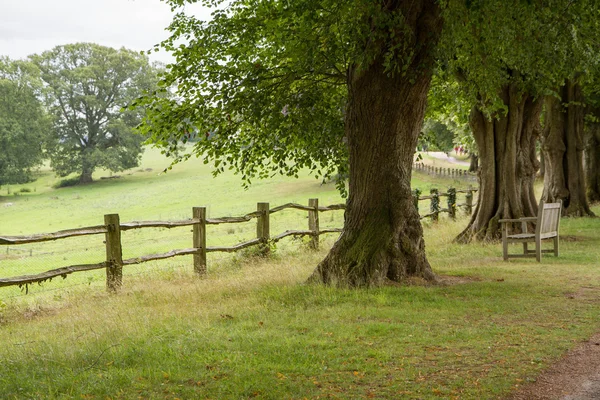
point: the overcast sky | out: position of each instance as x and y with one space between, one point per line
33 26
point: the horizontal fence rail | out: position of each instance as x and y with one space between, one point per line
443 171
112 229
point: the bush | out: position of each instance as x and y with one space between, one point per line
25 190
66 182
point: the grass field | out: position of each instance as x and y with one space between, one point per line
252 329
144 193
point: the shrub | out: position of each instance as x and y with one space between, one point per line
66 182
25 190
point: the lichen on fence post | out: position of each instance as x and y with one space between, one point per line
452 202
435 205
199 240
262 226
469 201
114 253
313 222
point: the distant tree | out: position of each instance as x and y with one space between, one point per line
23 122
447 104
87 86
437 136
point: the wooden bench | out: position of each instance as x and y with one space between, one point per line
546 227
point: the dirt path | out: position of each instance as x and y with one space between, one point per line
576 376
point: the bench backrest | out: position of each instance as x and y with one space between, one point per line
548 217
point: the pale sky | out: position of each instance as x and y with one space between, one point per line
33 26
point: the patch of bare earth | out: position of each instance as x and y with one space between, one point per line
576 376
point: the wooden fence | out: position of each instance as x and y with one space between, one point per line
452 206
451 172
112 229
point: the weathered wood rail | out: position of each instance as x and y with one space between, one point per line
112 229
451 204
443 171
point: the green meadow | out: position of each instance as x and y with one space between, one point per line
252 328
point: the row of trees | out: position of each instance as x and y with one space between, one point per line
343 85
67 105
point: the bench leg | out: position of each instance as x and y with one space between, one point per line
504 244
538 249
525 249
556 246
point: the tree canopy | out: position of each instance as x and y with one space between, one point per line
23 121
86 88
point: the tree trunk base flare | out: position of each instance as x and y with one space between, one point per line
562 144
507 165
85 177
382 249
382 240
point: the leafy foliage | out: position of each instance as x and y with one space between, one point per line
87 86
23 122
261 88
436 136
533 44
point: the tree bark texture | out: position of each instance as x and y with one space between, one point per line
592 158
507 164
473 162
86 174
562 144
382 238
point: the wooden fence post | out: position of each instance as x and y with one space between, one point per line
469 201
435 205
199 240
114 253
262 226
452 202
313 222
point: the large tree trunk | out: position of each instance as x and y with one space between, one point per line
592 159
507 164
562 144
382 237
